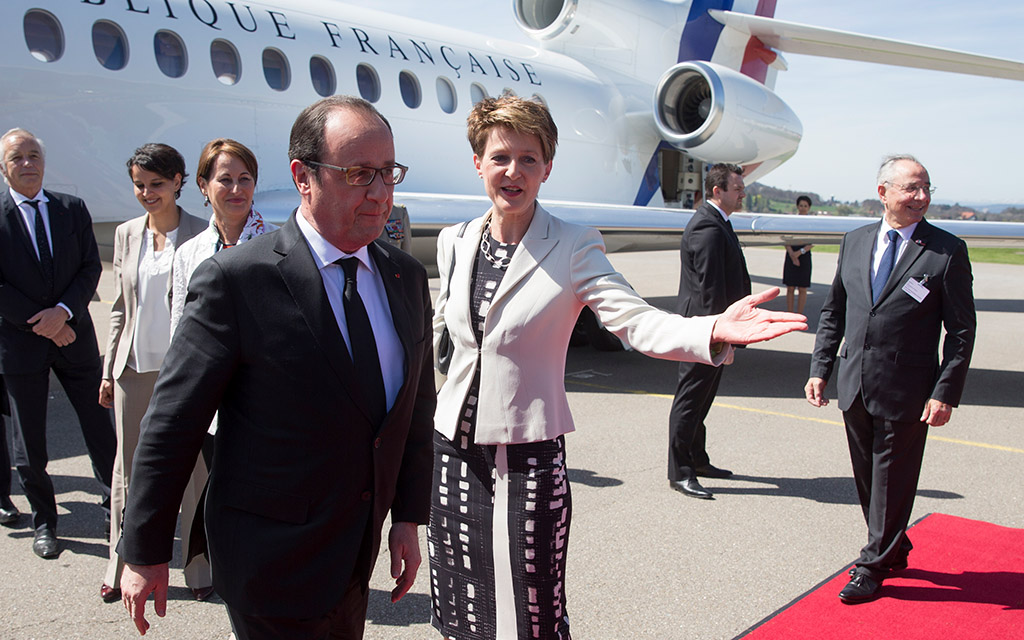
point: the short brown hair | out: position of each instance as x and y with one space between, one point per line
216 147
523 116
306 143
718 176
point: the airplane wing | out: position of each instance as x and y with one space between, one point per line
793 37
633 228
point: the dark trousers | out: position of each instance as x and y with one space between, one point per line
687 434
5 456
886 457
28 398
345 621
5 462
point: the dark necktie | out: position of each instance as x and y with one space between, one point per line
364 346
45 257
885 267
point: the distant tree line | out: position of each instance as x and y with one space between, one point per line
765 199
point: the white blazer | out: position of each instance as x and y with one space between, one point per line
557 269
128 238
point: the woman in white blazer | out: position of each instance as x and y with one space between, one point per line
502 505
140 318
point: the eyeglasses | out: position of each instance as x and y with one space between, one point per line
363 176
912 189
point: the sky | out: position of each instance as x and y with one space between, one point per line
966 130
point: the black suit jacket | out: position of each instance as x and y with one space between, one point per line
714 272
23 291
890 352
299 472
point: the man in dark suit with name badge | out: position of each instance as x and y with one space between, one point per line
314 345
898 283
713 276
49 269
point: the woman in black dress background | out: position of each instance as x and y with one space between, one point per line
796 269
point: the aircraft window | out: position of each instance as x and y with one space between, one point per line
43 36
110 45
446 96
477 92
170 54
275 69
224 58
322 74
369 83
410 88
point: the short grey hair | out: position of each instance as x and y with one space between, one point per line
16 132
888 168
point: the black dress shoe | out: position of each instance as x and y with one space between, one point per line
45 544
690 487
861 588
711 471
9 513
202 594
109 594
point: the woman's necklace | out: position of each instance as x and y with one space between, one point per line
501 256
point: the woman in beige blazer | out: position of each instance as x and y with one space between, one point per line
140 329
502 505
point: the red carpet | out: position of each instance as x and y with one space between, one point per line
965 582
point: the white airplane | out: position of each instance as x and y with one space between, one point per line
645 93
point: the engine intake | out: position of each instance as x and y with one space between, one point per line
718 115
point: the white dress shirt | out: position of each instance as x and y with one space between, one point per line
882 243
152 335
28 216
375 299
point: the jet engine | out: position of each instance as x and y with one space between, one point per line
718 115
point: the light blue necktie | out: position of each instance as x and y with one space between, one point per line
885 267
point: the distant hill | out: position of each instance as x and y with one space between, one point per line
767 199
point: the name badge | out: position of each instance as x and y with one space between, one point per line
916 290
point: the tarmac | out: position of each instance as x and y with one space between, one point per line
645 561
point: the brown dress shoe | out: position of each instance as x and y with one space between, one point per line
109 594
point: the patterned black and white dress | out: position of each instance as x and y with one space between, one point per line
499 522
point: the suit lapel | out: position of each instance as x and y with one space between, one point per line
465 249
16 223
302 277
535 246
395 290
135 236
861 256
914 249
61 232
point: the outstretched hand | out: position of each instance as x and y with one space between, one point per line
744 323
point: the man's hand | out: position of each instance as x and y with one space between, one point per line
137 582
49 322
744 323
936 413
814 391
65 336
106 393
404 544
